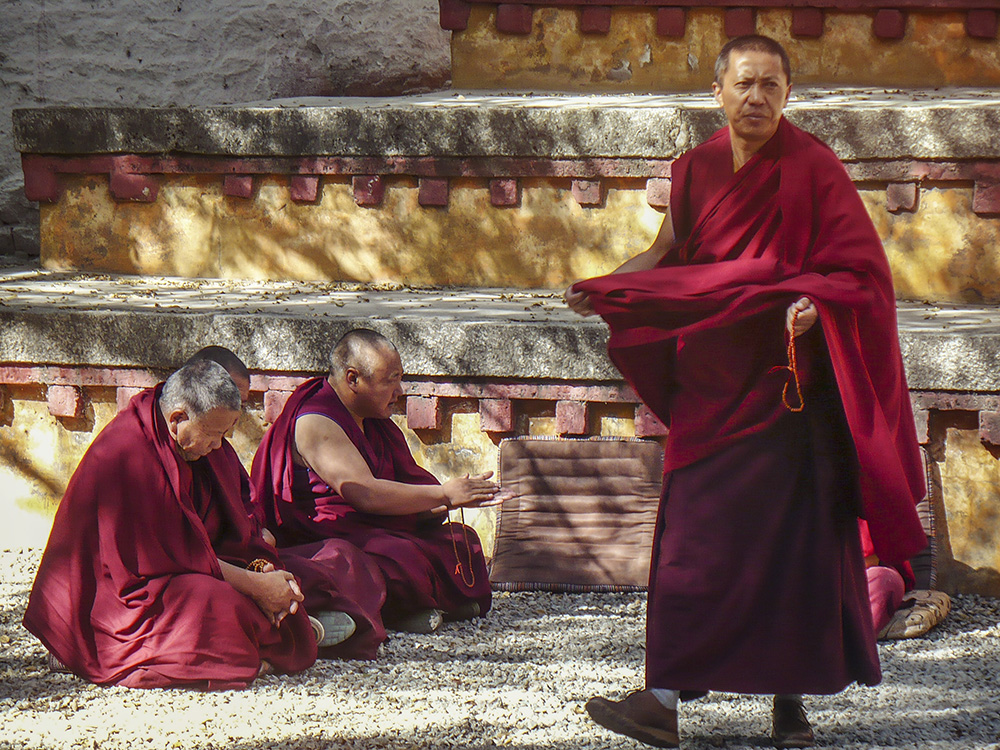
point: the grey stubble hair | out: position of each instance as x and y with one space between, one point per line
198 388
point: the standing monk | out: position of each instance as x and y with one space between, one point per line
152 576
760 326
334 465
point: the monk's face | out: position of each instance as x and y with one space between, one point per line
753 93
376 393
196 437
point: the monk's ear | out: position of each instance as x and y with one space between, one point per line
174 419
353 378
717 92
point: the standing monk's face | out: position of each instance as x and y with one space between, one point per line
377 393
196 437
753 93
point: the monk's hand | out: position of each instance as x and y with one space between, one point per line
269 537
474 491
277 593
579 302
804 314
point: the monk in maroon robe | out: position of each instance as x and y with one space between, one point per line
335 466
760 327
145 581
343 589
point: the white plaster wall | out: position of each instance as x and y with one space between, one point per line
177 52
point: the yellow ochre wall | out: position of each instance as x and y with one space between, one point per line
943 252
555 56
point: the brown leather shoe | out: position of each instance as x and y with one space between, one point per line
790 726
639 715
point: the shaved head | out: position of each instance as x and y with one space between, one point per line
230 362
360 349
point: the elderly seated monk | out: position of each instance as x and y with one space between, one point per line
343 589
153 575
334 465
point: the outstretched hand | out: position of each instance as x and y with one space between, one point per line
804 313
579 302
473 492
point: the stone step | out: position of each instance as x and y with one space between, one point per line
90 320
859 123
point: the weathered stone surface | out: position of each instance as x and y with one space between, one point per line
970 475
474 333
858 123
155 54
934 50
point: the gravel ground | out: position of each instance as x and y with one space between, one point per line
516 679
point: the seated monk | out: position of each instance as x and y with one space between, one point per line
334 465
343 589
152 576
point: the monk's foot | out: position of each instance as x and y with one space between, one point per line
57 666
331 628
640 715
463 612
421 621
790 725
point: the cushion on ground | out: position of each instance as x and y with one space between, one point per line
582 517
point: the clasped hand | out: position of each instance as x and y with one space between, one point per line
277 593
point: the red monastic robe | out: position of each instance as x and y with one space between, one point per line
426 563
130 591
757 581
790 223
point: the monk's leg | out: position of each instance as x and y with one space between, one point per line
336 576
423 572
205 634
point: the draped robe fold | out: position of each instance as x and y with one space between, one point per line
425 563
757 582
130 591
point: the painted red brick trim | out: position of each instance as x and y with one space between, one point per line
888 22
42 175
902 196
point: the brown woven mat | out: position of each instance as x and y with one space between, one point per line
583 514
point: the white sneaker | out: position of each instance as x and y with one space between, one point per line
332 628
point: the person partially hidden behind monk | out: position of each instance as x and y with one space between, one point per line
334 465
343 589
153 575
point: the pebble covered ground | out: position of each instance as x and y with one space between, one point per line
515 679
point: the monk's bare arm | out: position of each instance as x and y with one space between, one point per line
579 302
325 448
274 591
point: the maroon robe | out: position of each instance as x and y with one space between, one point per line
757 583
130 590
425 562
